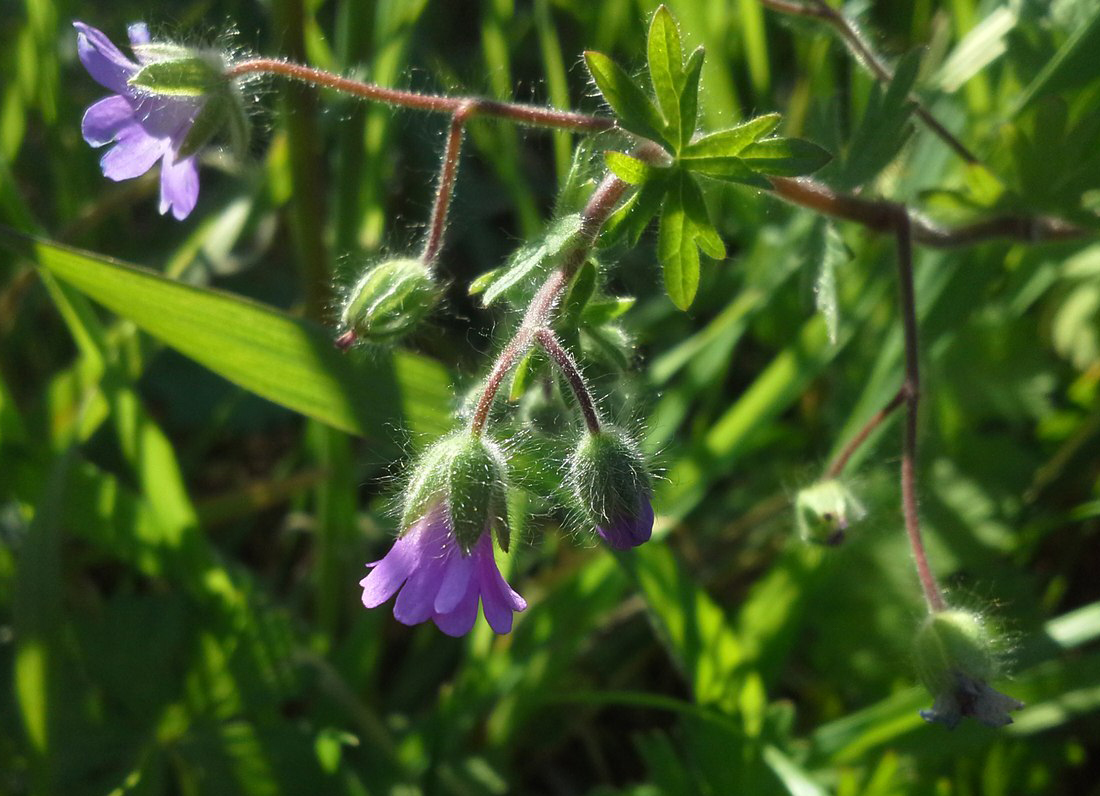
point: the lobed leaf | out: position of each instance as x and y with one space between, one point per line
785 157
634 109
532 259
666 68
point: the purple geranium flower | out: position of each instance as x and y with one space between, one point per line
144 127
629 529
441 582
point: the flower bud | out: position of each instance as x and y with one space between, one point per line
824 511
610 480
390 300
955 657
469 475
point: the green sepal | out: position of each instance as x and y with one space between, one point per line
191 76
223 109
429 481
951 643
825 510
476 490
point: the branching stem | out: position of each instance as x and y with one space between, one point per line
448 171
836 467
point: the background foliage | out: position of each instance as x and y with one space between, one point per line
178 601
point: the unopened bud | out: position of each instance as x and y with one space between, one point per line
611 482
955 658
390 300
825 510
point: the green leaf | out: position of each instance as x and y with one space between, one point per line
676 249
666 68
730 169
632 218
629 170
785 157
602 310
727 143
634 109
706 236
689 96
481 283
289 361
829 253
533 259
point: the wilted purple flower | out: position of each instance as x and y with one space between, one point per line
145 127
629 529
439 581
973 698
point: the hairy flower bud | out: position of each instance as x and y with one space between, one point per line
390 300
610 480
824 511
954 655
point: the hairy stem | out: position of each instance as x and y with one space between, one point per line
836 467
861 49
566 364
541 309
880 216
448 170
531 115
910 392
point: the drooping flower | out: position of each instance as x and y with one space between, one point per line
955 659
825 510
165 106
443 564
439 581
611 482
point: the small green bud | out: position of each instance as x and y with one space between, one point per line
610 480
469 473
390 300
825 510
955 657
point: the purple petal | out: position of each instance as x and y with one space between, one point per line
386 578
138 33
456 582
103 60
415 603
497 598
179 185
630 530
104 120
133 155
459 621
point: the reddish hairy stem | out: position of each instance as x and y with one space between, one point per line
841 461
539 311
532 115
910 392
566 364
448 171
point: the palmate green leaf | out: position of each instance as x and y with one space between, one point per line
289 361
636 112
666 68
685 228
676 249
732 142
689 96
785 157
